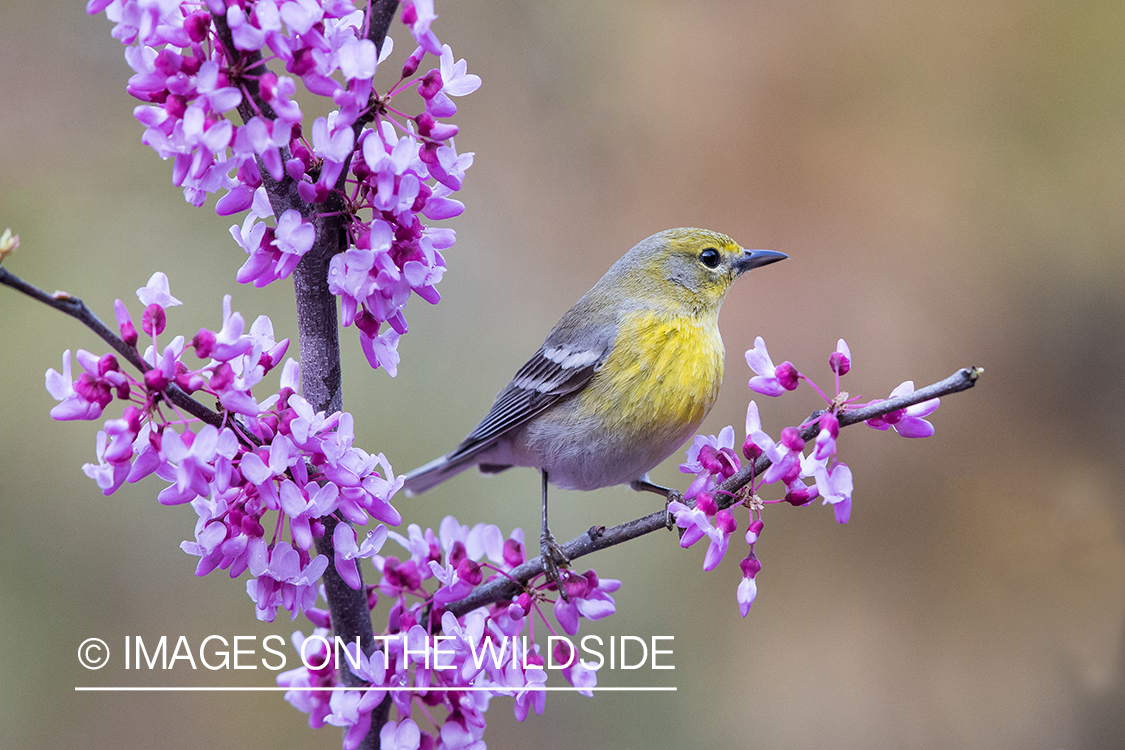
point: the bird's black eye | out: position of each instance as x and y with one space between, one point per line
710 257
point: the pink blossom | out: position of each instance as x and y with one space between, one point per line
835 486
769 380
157 292
908 422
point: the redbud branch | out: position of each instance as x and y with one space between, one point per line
379 19
282 193
321 381
332 221
76 308
598 538
961 380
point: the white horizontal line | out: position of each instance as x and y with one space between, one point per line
269 689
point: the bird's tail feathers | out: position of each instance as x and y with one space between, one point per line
434 473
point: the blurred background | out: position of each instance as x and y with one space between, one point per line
949 181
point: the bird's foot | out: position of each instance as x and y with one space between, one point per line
673 496
554 561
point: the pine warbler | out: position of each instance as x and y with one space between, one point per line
622 381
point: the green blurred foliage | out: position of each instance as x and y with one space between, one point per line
948 179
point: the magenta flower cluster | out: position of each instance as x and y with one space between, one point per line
260 482
714 459
492 650
381 170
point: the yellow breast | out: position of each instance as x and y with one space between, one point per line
661 378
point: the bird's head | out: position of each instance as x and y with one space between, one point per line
687 266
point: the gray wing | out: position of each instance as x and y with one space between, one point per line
555 371
568 359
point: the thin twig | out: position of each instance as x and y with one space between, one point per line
77 309
502 589
961 380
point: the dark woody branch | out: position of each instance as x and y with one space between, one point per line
726 494
76 308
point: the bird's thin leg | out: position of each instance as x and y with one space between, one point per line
553 556
644 485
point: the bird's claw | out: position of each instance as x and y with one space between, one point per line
673 496
554 561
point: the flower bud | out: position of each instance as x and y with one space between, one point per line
198 25
92 389
155 380
428 153
191 64
249 175
841 360
706 504
575 586
410 67
189 381
125 323
791 439
709 460
798 495
513 553
750 566
430 84
250 526
308 192
787 375
175 105
751 450
563 653
222 377
132 416
431 128
295 168
203 342
828 421
724 522
425 122
591 576
469 572
153 320
367 324
424 193
108 363
407 620
168 62
894 417
267 85
303 62
457 553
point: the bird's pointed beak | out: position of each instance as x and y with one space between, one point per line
758 258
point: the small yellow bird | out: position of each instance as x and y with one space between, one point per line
622 380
